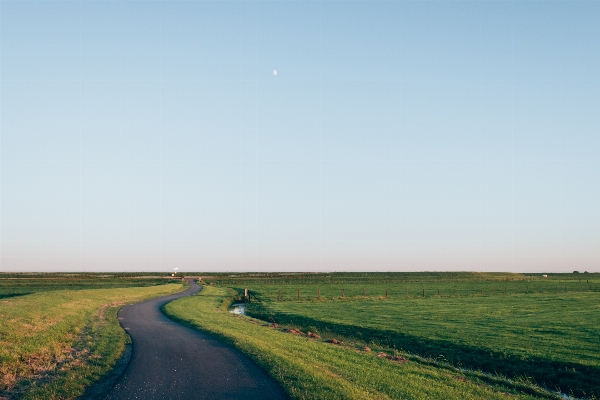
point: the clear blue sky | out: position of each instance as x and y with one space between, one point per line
403 135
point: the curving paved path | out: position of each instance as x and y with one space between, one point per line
171 361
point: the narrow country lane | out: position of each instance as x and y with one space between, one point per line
171 361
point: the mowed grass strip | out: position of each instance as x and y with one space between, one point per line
54 344
550 339
312 369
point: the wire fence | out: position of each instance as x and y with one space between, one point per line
380 292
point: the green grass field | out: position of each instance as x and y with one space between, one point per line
528 328
271 287
312 369
57 340
26 283
465 335
550 338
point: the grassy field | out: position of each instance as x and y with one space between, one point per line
59 339
312 369
438 335
271 287
25 283
551 339
528 328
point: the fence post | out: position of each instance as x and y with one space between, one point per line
279 295
342 293
319 293
386 293
423 292
438 292
364 292
527 289
298 294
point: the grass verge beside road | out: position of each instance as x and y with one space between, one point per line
54 344
313 369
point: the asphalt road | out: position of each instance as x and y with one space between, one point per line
171 361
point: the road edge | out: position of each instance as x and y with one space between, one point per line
99 389
102 386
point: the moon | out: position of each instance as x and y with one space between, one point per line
274 72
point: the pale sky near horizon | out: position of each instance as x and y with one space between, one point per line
395 136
